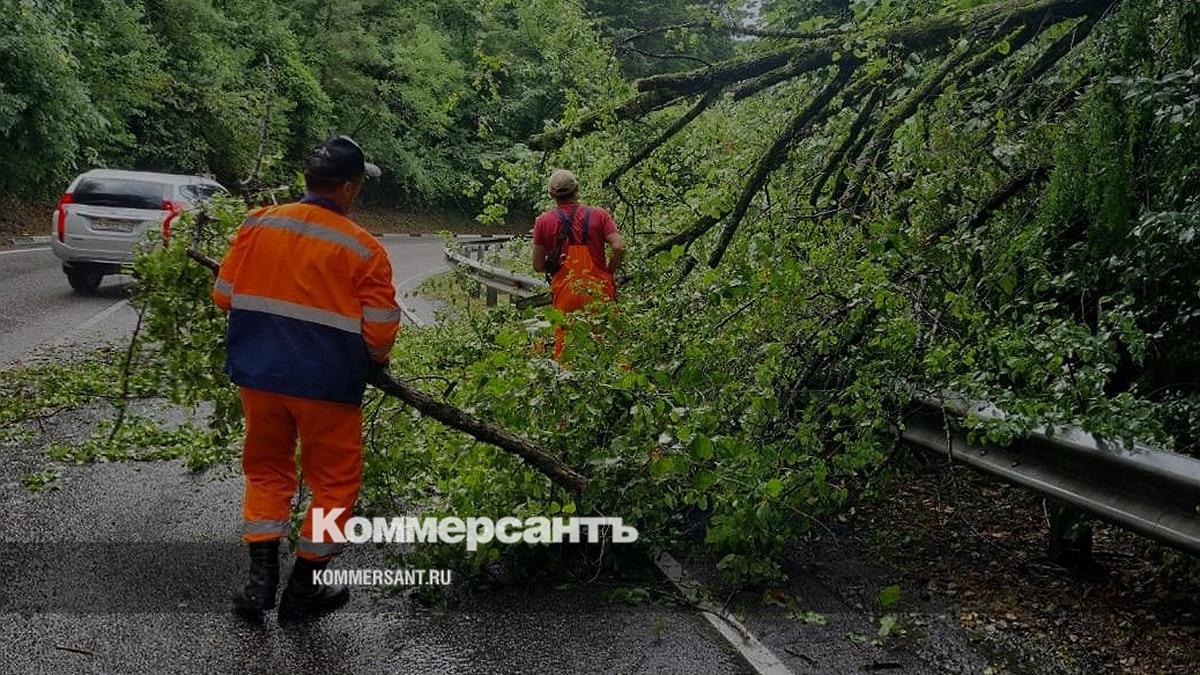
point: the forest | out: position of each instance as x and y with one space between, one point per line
834 208
241 91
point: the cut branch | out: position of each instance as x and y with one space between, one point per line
486 432
817 111
641 155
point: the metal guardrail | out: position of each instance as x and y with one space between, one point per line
523 289
1143 489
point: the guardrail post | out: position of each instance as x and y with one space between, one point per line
492 297
479 286
1070 535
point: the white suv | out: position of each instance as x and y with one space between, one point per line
105 213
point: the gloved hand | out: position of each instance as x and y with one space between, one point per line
377 372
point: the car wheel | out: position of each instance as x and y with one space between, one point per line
84 282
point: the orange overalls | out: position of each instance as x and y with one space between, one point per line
311 300
580 279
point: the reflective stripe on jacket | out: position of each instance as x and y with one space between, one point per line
310 298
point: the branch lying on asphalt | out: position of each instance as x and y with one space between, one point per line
486 432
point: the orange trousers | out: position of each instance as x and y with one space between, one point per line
579 283
330 437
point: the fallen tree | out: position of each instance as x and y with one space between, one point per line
971 43
788 63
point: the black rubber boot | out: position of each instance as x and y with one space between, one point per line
258 595
303 597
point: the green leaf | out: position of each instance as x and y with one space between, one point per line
889 596
773 488
662 467
702 447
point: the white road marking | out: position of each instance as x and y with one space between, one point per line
758 655
24 250
411 315
400 288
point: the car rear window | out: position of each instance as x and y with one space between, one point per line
199 192
121 192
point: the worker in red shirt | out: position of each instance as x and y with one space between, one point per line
312 315
569 246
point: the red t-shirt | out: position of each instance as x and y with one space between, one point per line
545 230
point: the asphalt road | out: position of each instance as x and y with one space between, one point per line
40 313
128 567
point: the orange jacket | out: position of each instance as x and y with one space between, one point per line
311 299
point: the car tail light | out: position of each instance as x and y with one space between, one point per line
61 211
173 210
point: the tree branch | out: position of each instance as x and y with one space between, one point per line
816 112
881 139
656 55
711 25
689 235
456 418
850 141
993 203
996 54
264 132
684 120
786 34
1053 54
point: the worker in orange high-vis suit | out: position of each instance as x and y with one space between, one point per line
568 245
312 310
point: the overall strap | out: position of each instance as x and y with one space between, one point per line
566 226
587 219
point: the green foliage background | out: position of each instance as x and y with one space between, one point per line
433 90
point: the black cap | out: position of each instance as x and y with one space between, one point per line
339 159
